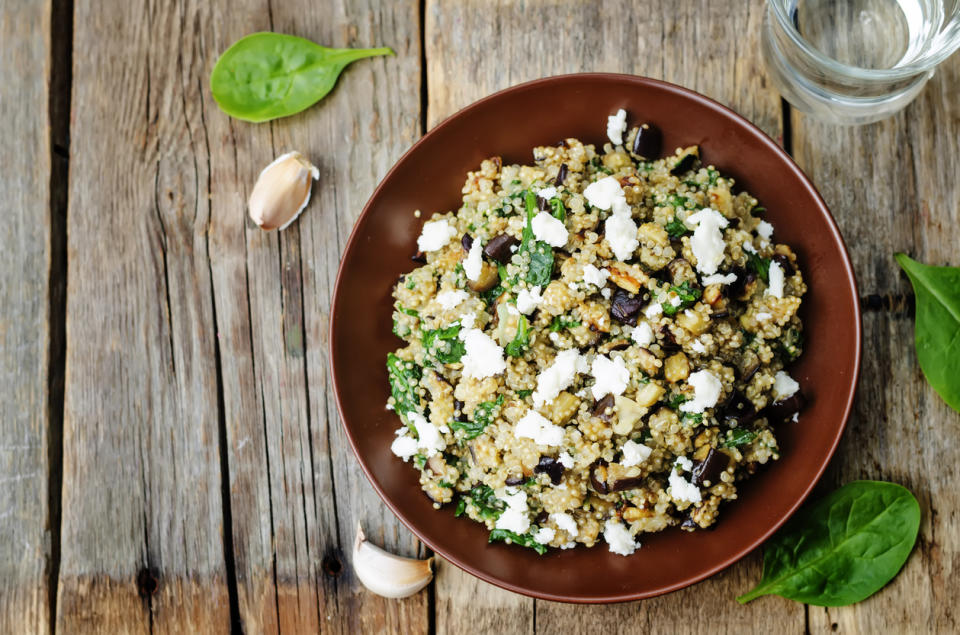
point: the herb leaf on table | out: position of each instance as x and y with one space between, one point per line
843 548
937 330
264 76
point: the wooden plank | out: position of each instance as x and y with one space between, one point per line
892 186
142 518
296 490
25 262
712 47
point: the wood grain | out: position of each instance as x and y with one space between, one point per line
475 48
892 186
25 260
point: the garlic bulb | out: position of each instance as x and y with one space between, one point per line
282 191
387 574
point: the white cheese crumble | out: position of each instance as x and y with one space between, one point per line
616 126
467 320
763 317
706 391
776 280
606 293
675 300
547 193
594 276
404 446
653 310
483 357
784 386
764 229
685 463
565 522
634 454
473 263
451 299
610 376
528 300
435 235
698 346
707 240
719 278
556 377
515 517
601 194
748 247
430 440
535 426
682 489
544 535
618 538
565 460
796 417
642 334
549 229
621 232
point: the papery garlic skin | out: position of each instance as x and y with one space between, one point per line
387 574
282 191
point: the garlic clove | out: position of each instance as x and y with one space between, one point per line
282 191
387 574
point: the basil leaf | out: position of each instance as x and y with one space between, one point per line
521 340
937 330
403 384
264 76
843 548
524 540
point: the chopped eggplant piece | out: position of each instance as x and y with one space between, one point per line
419 257
488 278
550 466
685 161
499 248
561 175
738 408
688 524
598 476
681 270
707 472
603 409
466 241
613 345
514 480
648 142
785 264
623 484
625 307
780 411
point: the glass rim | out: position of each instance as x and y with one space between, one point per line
922 64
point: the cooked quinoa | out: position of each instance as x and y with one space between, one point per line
595 344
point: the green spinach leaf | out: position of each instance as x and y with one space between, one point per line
937 330
521 340
676 228
524 540
489 507
843 548
739 437
539 252
444 345
404 377
759 265
688 296
558 324
264 76
559 211
483 415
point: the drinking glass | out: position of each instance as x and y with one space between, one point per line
856 61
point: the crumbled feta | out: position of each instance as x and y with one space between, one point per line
556 377
565 460
602 193
429 438
764 229
483 357
547 193
621 233
535 426
610 376
583 366
473 263
685 463
682 489
642 334
707 240
763 317
554 337
719 278
619 539
653 310
512 310
748 247
698 346
467 320
565 522
634 454
435 235
594 276
606 293
451 299
784 386
616 126
404 446
549 229
706 391
776 280
675 300
544 535
528 300
515 517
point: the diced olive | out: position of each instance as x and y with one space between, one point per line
550 466
603 409
466 241
686 161
598 476
784 409
499 248
709 469
625 306
488 278
561 175
745 284
542 517
648 142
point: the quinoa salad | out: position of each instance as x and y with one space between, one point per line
595 344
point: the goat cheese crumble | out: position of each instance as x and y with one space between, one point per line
435 235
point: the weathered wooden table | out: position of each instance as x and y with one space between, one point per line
170 455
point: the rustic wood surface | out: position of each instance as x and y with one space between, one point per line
170 454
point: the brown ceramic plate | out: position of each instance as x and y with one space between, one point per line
510 123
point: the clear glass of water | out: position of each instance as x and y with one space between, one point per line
856 61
